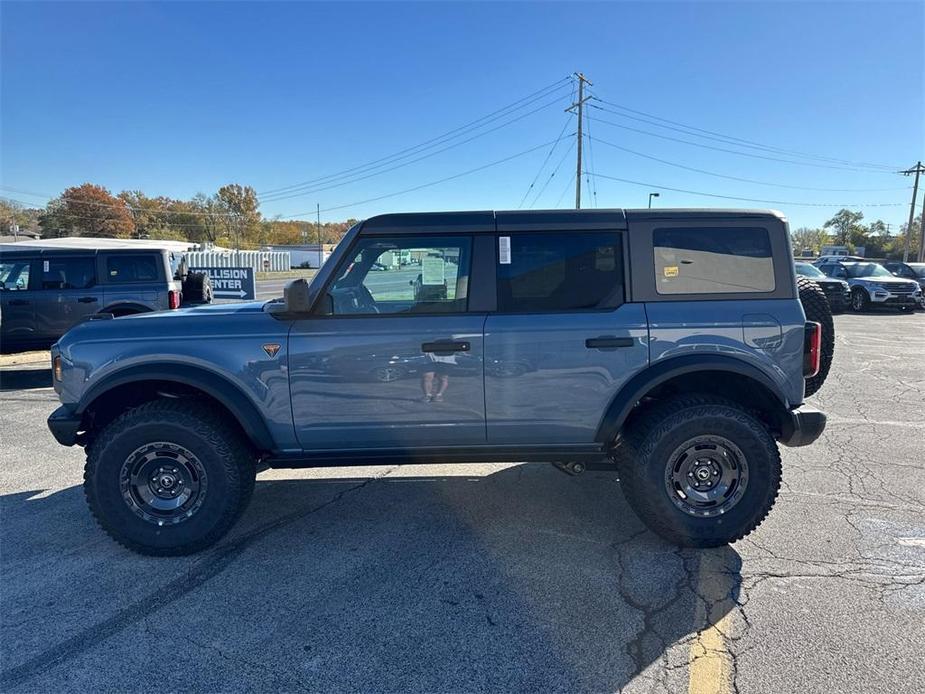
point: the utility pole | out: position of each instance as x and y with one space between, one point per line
579 105
918 169
922 233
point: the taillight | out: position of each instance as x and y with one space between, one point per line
173 299
812 349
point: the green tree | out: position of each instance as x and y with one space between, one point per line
806 238
241 214
844 224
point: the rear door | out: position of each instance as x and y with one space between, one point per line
396 359
563 340
69 292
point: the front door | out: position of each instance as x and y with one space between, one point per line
17 304
563 341
395 360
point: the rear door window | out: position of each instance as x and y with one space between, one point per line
68 273
559 271
132 268
719 260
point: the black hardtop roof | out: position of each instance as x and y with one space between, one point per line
525 220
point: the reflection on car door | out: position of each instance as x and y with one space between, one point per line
397 360
69 292
562 342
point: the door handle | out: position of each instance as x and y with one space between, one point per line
446 347
19 302
87 300
609 342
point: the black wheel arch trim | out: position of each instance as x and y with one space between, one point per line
227 393
127 306
660 372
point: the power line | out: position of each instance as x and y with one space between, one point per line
745 180
767 202
592 184
553 174
425 185
729 139
545 161
357 178
439 139
729 151
564 191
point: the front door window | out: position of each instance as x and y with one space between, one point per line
414 275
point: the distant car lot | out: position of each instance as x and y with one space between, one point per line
488 576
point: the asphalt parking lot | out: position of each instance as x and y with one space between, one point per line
488 577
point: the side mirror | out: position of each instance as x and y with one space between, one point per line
295 296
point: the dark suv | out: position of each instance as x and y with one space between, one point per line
45 292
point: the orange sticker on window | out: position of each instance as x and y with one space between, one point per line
671 271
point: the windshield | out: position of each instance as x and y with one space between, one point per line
807 270
867 270
918 269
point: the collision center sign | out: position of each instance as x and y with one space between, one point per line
231 282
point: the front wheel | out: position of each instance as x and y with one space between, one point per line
859 300
700 471
168 477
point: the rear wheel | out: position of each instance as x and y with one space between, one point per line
817 309
700 471
168 478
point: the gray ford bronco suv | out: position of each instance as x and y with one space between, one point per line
670 345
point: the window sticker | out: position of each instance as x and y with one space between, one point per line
433 270
504 250
603 259
671 271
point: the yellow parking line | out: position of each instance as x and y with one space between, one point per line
710 662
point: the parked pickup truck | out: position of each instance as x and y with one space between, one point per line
669 345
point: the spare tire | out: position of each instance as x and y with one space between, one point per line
817 309
197 288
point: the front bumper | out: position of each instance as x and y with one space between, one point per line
803 426
888 298
64 425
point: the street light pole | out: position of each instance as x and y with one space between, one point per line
652 195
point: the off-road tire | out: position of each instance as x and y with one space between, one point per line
221 449
197 288
817 309
642 460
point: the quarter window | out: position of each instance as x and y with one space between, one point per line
131 268
553 271
718 260
68 273
404 275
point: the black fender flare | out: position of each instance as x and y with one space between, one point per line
660 372
132 307
215 385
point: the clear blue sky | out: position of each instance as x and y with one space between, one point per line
177 98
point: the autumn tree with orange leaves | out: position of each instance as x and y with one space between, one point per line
88 210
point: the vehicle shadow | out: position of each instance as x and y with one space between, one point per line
24 378
520 579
